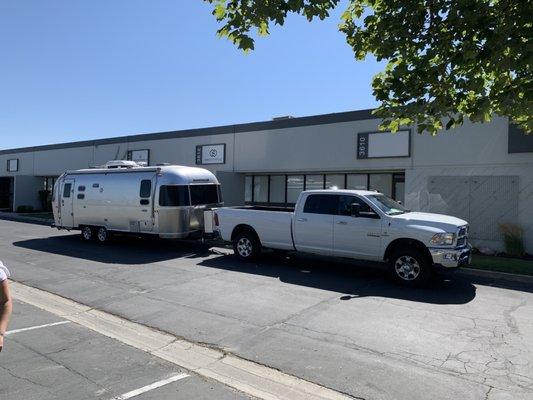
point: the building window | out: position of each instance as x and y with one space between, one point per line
277 189
295 185
248 183
313 182
381 182
284 190
49 182
261 189
13 165
357 181
335 181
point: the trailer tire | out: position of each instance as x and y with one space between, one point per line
87 233
246 245
410 267
102 235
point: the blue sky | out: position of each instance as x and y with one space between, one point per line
75 70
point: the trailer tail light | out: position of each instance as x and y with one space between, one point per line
216 219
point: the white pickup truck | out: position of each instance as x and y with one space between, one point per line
364 225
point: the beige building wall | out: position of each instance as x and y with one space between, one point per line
468 151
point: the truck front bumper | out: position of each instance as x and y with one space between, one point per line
451 258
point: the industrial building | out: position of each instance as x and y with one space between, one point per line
482 173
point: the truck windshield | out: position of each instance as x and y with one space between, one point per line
387 205
204 194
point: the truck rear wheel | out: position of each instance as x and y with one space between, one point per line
246 246
87 233
410 267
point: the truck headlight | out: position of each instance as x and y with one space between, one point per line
442 239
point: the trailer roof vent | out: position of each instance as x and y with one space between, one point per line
282 117
121 164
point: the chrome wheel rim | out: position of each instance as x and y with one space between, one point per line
244 247
87 233
102 234
407 268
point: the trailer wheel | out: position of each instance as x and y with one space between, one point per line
87 233
246 246
409 267
102 235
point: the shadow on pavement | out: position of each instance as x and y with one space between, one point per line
351 279
120 250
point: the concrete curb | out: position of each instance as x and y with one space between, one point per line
496 275
24 218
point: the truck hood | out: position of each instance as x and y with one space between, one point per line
429 219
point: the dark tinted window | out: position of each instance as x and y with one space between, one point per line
174 196
345 202
146 188
321 204
204 194
66 189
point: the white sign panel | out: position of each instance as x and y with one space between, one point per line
211 154
13 165
141 157
383 144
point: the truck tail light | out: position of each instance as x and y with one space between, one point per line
216 219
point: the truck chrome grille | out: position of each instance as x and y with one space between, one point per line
462 236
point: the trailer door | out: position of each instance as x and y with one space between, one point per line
146 206
66 210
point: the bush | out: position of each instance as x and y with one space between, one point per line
24 209
513 237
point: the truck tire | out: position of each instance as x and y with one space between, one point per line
246 246
87 233
102 235
410 267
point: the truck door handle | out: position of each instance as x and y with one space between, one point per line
302 220
342 223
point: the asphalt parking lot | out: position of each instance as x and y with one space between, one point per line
340 325
48 357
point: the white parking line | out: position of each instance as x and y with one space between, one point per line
31 328
152 386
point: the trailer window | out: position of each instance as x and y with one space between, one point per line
146 188
66 189
174 196
204 194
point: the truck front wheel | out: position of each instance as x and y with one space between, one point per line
246 246
410 267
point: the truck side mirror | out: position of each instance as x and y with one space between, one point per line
354 209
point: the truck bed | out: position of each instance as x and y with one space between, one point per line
273 225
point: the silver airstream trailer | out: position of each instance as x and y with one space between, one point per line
168 200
